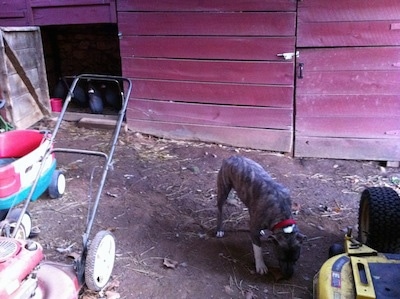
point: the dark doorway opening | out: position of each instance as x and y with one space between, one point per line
70 50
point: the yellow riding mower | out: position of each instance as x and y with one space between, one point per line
367 267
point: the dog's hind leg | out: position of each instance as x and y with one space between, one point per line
223 189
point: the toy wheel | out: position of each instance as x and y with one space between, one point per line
25 227
100 260
379 219
57 184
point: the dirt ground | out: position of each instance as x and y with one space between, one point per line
159 201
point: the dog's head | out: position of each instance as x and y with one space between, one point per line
287 246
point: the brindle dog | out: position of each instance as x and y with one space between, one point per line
269 206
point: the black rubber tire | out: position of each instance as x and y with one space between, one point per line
56 188
26 223
379 219
100 260
336 249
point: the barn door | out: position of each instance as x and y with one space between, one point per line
23 81
348 80
217 71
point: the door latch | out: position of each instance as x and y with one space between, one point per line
301 70
288 55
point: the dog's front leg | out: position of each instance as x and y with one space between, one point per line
261 268
223 189
220 231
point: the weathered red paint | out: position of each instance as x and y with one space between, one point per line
347 99
62 12
204 67
208 24
193 47
217 93
207 5
210 64
244 72
219 115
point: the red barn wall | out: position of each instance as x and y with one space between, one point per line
60 12
348 96
211 72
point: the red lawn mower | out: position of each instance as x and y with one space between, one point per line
24 273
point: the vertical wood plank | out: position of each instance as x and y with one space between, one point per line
24 78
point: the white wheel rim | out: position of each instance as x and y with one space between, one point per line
104 260
61 184
27 224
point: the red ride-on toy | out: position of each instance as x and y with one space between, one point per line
24 273
21 153
21 158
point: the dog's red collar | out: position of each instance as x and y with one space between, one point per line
283 224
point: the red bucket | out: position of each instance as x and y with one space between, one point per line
56 104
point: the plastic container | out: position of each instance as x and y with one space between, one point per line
56 104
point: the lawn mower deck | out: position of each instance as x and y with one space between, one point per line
361 272
24 272
367 267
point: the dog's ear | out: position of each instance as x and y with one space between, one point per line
279 239
301 238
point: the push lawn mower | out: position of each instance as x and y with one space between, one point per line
368 267
27 170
